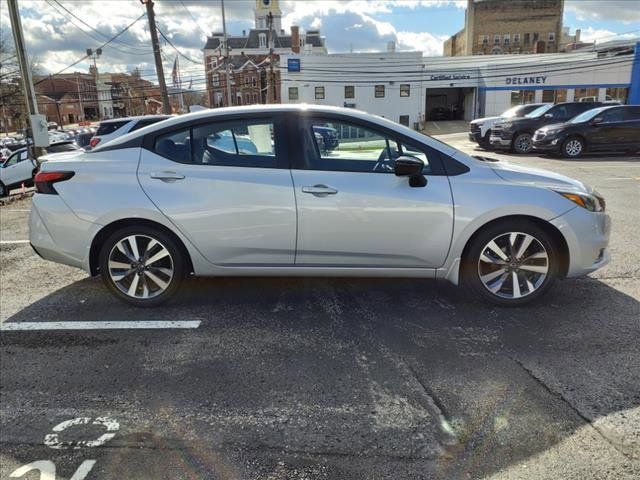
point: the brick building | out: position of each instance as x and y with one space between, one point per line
251 77
494 27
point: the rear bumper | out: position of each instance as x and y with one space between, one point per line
57 234
587 236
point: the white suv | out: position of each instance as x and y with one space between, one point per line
480 128
110 129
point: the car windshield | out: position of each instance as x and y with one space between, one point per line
586 116
512 112
538 112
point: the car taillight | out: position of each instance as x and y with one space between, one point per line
44 181
94 141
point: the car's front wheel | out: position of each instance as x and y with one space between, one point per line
142 265
523 143
573 147
4 191
511 263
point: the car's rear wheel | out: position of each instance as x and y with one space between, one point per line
4 191
523 143
142 266
573 147
511 263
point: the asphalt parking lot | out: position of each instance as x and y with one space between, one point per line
292 378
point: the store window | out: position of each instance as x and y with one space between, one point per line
379 91
554 96
521 97
617 95
319 93
349 91
585 95
293 93
405 90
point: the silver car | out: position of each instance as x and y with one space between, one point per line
173 199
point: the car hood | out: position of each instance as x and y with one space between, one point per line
537 177
553 126
485 119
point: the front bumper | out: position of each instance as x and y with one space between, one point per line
546 143
587 236
499 142
475 137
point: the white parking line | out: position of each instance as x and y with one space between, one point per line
12 242
118 325
5 210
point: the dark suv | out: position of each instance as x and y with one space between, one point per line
609 128
517 134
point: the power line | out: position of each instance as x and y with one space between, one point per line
174 47
194 20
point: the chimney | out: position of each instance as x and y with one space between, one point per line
578 32
295 39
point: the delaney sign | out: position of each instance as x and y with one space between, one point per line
525 80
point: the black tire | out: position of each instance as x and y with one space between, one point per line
174 260
522 143
471 264
572 147
4 191
485 142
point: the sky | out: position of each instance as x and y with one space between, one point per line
56 39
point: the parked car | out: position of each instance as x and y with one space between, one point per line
608 99
329 137
608 128
110 129
20 168
480 128
163 209
517 134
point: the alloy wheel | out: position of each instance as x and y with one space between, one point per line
523 143
513 265
573 148
140 266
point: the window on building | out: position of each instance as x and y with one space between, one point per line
319 93
496 39
617 94
379 91
293 93
536 36
585 95
349 91
552 36
506 39
521 97
554 96
527 39
215 80
516 38
405 90
404 120
262 40
484 39
254 81
496 51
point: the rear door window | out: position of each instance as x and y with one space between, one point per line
145 122
175 146
109 127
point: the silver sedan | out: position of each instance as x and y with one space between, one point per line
307 190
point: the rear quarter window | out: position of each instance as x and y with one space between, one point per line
110 127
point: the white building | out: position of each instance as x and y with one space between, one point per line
409 88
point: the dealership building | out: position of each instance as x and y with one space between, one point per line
409 88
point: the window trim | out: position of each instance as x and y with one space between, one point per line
315 92
408 89
297 93
375 90
353 91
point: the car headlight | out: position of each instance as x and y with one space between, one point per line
593 202
507 125
552 132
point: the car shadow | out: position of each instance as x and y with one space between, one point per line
509 383
588 157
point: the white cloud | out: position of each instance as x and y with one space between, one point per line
430 45
590 34
626 11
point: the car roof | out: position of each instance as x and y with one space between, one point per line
137 117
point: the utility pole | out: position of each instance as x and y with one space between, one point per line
53 88
226 56
151 16
271 83
95 54
27 81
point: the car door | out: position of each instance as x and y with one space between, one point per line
353 210
608 130
226 185
17 168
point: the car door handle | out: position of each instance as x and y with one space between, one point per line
320 190
166 176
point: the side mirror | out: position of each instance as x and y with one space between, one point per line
597 120
408 166
548 115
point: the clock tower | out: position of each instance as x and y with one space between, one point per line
263 8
